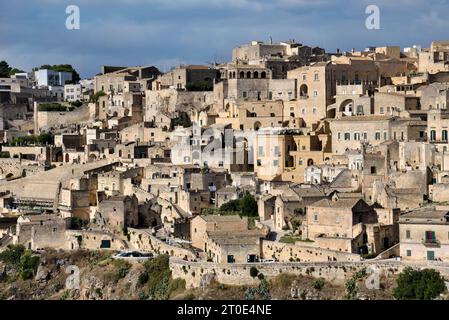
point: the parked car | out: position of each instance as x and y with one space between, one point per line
136 255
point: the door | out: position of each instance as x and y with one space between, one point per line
386 243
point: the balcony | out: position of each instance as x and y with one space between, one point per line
429 243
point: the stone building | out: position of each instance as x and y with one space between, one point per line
182 77
350 133
317 83
340 224
201 225
434 59
424 235
115 213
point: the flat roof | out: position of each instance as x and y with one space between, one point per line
431 215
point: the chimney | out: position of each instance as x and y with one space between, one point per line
338 50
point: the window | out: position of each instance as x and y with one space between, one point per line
407 234
337 219
444 135
356 136
259 163
385 135
339 136
377 136
304 77
276 151
433 135
409 253
245 94
430 237
365 136
315 218
315 93
315 77
381 110
314 111
261 152
347 136
275 163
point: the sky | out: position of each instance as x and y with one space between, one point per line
166 33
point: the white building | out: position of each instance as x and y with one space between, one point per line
47 78
72 92
320 174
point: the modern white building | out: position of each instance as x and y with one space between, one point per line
47 78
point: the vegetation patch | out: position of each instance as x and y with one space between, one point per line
424 284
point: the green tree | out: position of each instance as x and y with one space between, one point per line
45 138
245 206
97 96
12 255
13 71
4 69
200 86
424 284
248 205
231 206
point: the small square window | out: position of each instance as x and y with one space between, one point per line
409 253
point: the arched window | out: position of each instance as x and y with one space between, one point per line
444 135
256 74
304 91
433 135
248 74
242 74
263 75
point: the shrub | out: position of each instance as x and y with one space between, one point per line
245 206
159 277
143 278
176 285
28 265
253 272
76 104
424 284
318 284
12 255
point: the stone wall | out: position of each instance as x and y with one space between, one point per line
16 167
298 252
195 273
48 119
439 192
92 240
143 240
